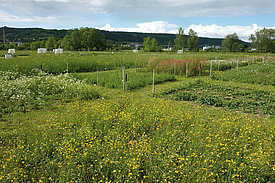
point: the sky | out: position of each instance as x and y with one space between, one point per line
208 18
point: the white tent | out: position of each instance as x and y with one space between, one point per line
180 51
11 51
58 51
41 50
135 51
8 56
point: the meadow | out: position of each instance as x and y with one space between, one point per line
183 132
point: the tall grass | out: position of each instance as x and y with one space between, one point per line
178 66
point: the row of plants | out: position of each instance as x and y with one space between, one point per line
93 61
177 66
72 62
114 79
256 74
137 140
251 101
190 66
39 90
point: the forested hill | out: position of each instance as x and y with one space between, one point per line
39 34
163 39
31 34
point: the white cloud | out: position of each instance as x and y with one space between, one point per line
174 8
148 27
5 17
212 31
215 31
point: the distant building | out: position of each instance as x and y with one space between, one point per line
166 48
180 51
205 48
41 50
136 45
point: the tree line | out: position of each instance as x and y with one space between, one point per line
180 43
262 41
90 39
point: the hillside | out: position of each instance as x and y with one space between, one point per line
31 34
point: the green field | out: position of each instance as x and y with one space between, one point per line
63 127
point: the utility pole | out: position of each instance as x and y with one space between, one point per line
4 37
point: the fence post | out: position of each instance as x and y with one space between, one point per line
174 68
187 69
153 80
211 69
200 73
136 65
126 85
97 80
123 76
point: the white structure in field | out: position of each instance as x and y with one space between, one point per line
135 51
8 56
58 51
205 48
180 51
41 50
11 51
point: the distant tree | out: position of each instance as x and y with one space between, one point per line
232 42
150 45
50 43
193 40
180 40
264 40
169 45
84 39
33 46
75 40
24 46
2 46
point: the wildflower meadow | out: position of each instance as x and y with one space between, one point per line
63 127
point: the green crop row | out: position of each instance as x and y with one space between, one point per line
251 101
256 73
56 64
114 79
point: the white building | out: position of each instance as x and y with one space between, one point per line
11 50
41 50
58 51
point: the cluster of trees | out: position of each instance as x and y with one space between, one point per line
192 40
263 40
50 44
232 42
151 45
75 40
88 39
85 39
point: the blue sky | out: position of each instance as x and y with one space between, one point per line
209 18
